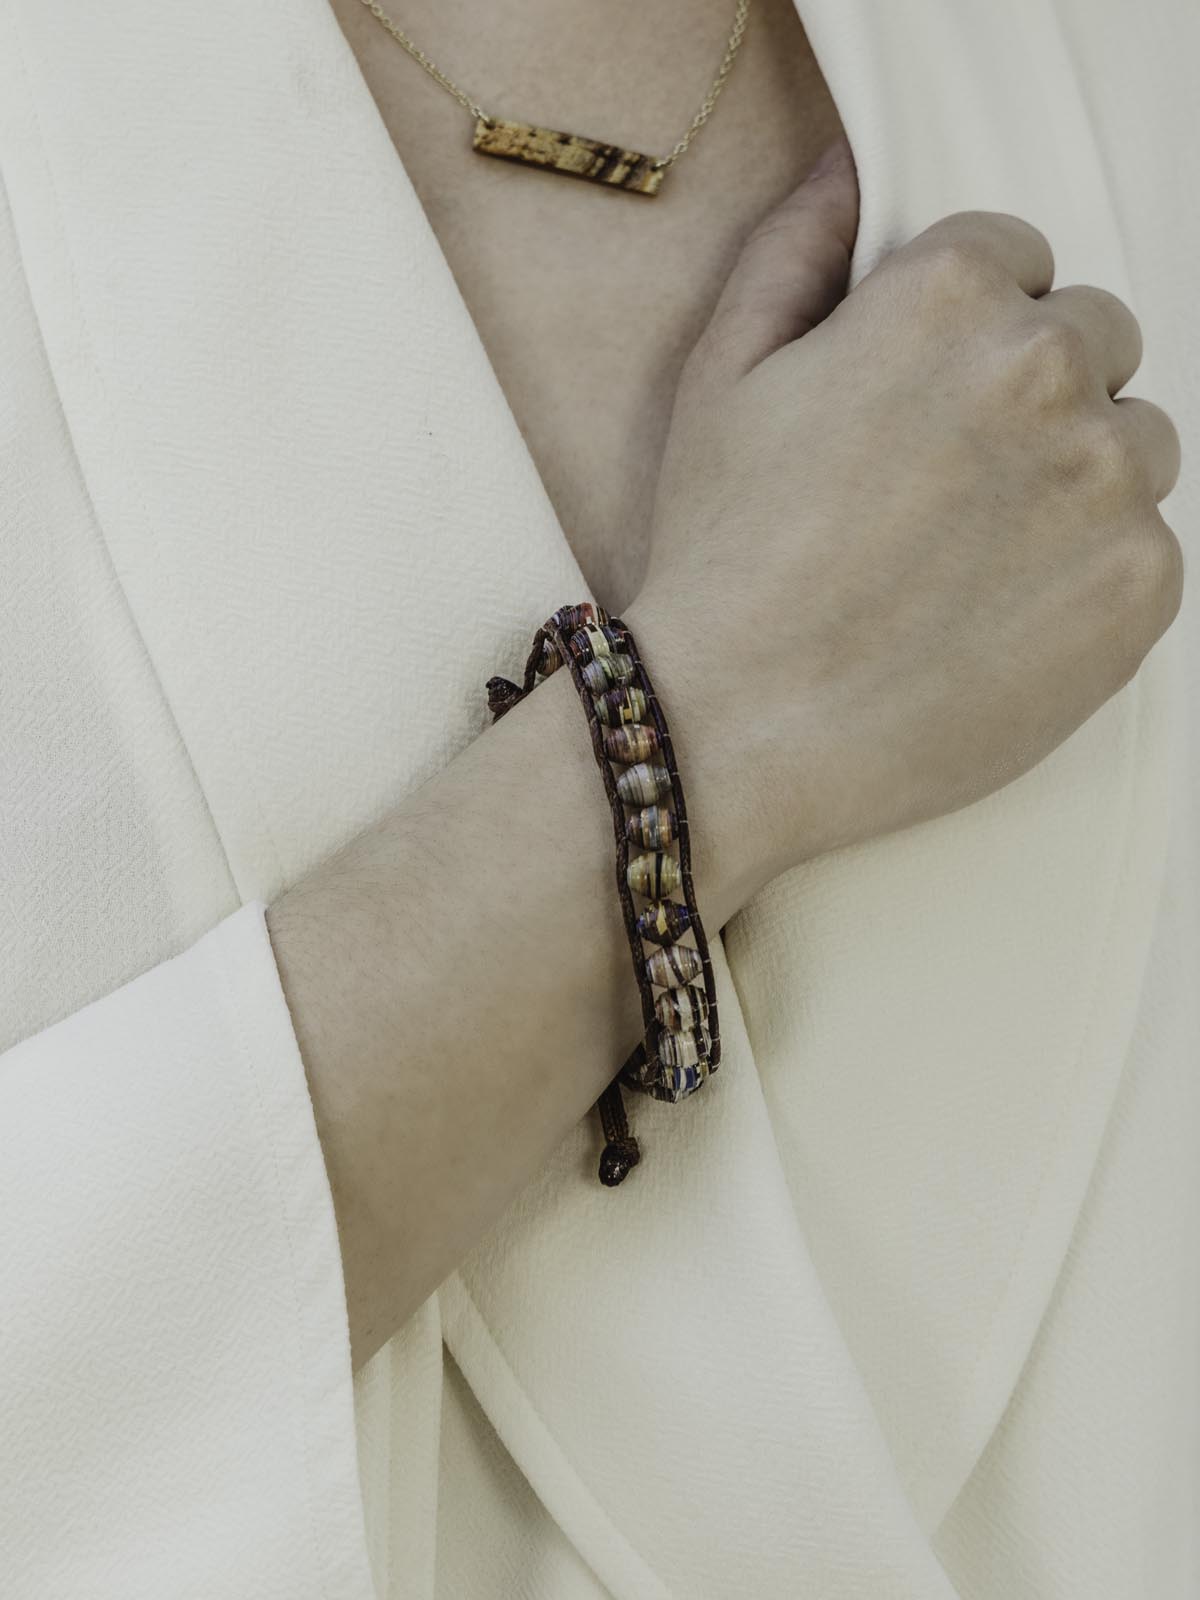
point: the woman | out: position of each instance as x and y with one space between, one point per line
313 414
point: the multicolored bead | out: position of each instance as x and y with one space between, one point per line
550 660
589 644
619 706
682 1045
567 619
652 828
637 742
672 967
602 673
676 1083
682 1008
643 784
684 1049
653 875
664 922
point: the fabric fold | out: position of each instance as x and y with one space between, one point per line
175 1378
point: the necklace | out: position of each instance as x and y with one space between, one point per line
572 154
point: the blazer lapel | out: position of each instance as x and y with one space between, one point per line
305 471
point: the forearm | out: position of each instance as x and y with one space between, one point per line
461 984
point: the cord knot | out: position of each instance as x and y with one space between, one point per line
502 696
618 1160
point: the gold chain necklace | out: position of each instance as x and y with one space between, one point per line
570 153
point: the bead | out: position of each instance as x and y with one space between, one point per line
676 1083
616 707
602 673
674 966
652 827
653 875
590 643
682 1008
684 1049
664 922
638 742
644 784
567 619
550 660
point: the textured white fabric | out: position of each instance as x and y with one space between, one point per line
905 1305
166 1230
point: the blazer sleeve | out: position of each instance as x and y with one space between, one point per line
176 1399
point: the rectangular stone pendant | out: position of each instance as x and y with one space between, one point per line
570 154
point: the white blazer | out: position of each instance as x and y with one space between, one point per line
905 1304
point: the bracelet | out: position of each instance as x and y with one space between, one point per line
681 1044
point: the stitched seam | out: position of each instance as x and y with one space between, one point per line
132 475
305 1435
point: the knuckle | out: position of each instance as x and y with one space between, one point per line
1049 365
1114 310
1165 424
1144 579
1169 573
1125 629
1106 458
990 236
1162 440
1174 594
951 271
981 217
978 221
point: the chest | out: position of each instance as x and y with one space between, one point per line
588 300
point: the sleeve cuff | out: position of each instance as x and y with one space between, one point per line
177 1385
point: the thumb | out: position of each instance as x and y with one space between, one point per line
791 272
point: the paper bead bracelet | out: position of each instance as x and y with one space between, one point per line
681 1045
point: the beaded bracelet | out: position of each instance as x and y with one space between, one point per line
681 1045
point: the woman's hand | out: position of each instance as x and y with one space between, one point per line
901 554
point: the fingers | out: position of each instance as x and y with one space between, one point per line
996 245
1105 337
1111 334
791 273
1151 434
989 240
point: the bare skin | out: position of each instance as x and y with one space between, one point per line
437 1099
588 301
962 563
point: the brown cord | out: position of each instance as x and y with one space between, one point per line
550 649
